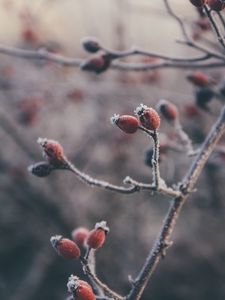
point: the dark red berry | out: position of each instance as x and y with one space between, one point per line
79 235
96 237
148 117
65 247
199 78
168 110
80 289
126 123
97 63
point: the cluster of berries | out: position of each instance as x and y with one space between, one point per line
216 5
70 249
99 61
146 117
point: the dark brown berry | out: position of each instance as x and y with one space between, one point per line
126 123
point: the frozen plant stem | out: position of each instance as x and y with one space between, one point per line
155 160
163 240
184 138
107 291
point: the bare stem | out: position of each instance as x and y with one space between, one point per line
214 26
155 160
163 240
184 138
107 291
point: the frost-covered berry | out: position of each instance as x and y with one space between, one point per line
52 151
148 117
96 237
127 123
65 247
80 289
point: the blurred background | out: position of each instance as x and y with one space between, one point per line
42 99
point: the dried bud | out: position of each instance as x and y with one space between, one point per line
65 247
80 289
79 235
216 5
126 123
149 117
203 23
40 169
97 63
198 78
96 237
198 3
90 44
203 97
53 151
168 110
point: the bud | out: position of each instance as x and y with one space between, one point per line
79 235
203 97
53 151
126 123
216 5
96 237
65 247
149 117
198 3
168 110
97 63
198 78
90 44
40 169
80 289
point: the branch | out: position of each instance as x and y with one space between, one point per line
107 291
118 65
163 240
188 41
214 26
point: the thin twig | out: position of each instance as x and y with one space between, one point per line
163 240
184 138
214 26
155 160
119 65
107 291
188 41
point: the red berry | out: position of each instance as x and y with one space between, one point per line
198 78
126 123
53 151
80 289
168 110
198 3
65 247
97 63
149 117
96 237
79 235
216 5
